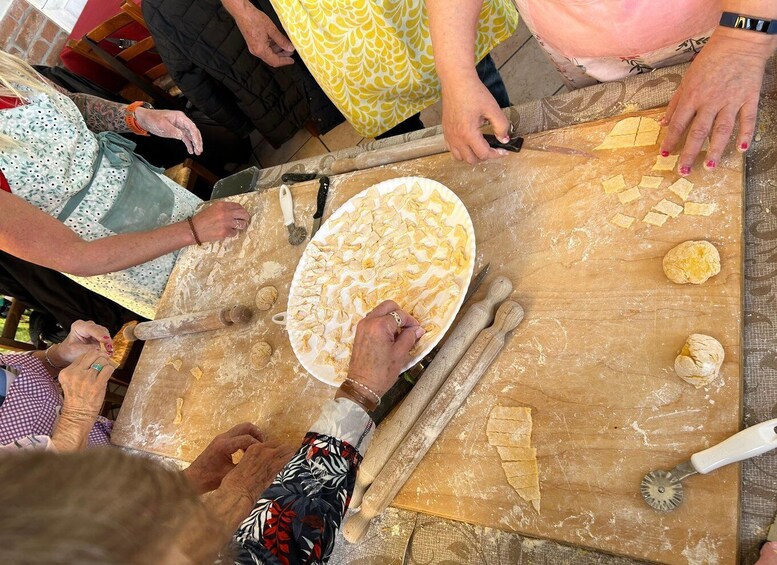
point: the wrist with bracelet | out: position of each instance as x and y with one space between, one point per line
131 119
360 393
48 359
190 219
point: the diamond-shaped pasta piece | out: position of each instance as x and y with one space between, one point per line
669 208
629 195
614 184
622 221
699 208
655 218
682 188
650 182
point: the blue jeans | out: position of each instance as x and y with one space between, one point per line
488 74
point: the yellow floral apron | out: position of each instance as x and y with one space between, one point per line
374 58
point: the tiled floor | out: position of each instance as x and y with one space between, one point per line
525 70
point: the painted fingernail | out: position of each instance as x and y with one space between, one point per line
710 164
663 121
419 331
744 145
685 169
505 139
664 153
106 337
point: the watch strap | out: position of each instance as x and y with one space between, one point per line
749 23
131 120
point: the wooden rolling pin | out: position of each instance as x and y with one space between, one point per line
190 323
391 431
440 411
402 152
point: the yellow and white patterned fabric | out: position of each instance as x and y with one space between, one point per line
374 58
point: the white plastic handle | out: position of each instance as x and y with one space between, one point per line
748 443
279 319
287 206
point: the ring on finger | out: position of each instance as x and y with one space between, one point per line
397 318
239 225
96 366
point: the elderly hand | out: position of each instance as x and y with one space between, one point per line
219 220
83 384
720 89
382 346
172 124
84 337
264 40
257 469
466 106
768 554
212 465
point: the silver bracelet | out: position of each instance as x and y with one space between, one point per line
46 355
365 387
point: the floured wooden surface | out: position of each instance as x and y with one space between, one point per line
593 358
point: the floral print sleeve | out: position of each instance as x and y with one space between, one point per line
297 517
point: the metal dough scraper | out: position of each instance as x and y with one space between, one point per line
663 490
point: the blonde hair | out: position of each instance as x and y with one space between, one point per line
15 73
99 506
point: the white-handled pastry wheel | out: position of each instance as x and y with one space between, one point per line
663 490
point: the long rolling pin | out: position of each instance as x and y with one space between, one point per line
440 411
190 323
402 152
391 431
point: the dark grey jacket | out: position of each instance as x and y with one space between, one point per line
209 60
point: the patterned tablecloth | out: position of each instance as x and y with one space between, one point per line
401 537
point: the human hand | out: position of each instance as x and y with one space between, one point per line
720 89
220 220
83 385
259 466
172 124
382 346
466 106
768 554
84 337
264 40
211 466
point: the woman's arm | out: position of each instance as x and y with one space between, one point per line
466 102
297 517
32 235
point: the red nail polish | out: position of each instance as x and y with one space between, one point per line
665 154
684 170
711 164
744 145
106 337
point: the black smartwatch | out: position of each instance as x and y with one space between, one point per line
750 23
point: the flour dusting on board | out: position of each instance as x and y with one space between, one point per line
703 553
270 271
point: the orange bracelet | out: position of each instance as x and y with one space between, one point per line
131 120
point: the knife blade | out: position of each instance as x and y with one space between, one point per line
407 380
323 191
516 143
772 535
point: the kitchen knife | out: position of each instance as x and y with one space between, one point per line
516 143
323 191
407 380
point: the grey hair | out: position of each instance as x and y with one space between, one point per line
96 507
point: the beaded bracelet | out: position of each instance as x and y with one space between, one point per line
194 231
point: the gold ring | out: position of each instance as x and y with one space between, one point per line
397 318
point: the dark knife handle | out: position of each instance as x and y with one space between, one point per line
393 396
323 191
514 144
298 177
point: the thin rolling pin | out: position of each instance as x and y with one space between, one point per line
440 411
402 152
190 323
391 431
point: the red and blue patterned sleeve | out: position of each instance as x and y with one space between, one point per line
296 519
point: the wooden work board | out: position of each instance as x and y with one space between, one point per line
593 357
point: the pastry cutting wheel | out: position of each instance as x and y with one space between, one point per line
663 490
